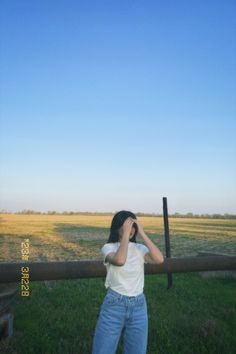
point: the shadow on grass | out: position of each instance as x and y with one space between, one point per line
67 242
81 232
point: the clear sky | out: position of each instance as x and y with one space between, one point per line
109 105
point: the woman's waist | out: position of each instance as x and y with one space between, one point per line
119 294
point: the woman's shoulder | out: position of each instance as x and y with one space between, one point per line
141 247
110 245
137 244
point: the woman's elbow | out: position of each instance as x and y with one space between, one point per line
120 263
161 260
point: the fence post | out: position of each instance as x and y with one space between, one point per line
167 238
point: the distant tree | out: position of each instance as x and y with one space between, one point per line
52 212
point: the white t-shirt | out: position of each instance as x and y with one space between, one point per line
129 278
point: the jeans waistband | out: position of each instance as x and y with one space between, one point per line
124 296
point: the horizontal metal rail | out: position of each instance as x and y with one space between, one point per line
13 272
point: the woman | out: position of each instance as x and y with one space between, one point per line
124 307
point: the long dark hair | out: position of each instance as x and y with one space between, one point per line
117 221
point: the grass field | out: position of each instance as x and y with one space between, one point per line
196 316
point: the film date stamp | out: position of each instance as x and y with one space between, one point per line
25 272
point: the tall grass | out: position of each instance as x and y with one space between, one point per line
60 237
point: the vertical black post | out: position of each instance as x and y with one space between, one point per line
167 238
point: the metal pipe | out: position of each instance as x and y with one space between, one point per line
12 272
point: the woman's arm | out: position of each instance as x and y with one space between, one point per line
155 253
119 257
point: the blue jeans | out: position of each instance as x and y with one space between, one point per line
121 312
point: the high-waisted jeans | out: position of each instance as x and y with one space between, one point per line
120 312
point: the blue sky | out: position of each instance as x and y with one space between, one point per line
109 105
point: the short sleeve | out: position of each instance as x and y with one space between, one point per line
143 249
107 248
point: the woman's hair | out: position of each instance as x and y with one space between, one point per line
117 221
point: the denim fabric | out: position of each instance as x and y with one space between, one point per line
120 312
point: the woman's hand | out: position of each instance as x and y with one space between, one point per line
127 226
140 228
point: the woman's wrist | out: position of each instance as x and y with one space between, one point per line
125 237
142 234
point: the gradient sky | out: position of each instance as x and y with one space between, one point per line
109 105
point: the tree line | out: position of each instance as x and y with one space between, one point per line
174 215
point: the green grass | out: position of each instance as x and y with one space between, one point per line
196 316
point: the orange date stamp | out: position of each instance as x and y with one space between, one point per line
25 271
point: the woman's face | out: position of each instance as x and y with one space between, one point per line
132 232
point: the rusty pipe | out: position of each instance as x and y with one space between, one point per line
12 272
